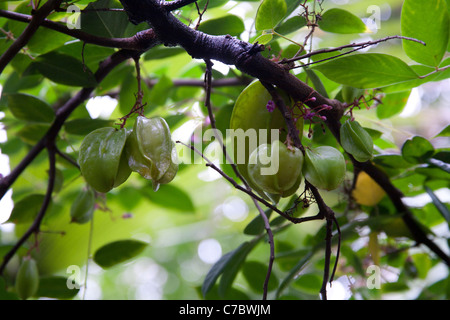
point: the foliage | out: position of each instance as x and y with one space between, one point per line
204 235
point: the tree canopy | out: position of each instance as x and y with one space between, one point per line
136 135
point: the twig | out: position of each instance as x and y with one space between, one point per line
29 31
357 46
140 41
35 226
208 81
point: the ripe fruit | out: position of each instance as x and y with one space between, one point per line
367 192
276 169
324 167
356 141
27 279
253 110
100 159
151 151
83 207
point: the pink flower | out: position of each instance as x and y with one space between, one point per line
270 106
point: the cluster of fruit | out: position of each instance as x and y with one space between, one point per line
108 156
323 166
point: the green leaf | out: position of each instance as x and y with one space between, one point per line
370 70
32 133
85 125
46 40
29 108
107 24
293 273
269 14
417 150
160 91
26 209
290 25
309 283
256 226
318 85
255 273
230 24
265 38
427 21
117 252
165 195
227 266
64 69
341 21
55 287
442 208
392 104
444 132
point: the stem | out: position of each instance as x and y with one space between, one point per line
35 226
29 31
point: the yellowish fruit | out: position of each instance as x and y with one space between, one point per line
367 192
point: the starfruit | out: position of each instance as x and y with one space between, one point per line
324 167
151 151
356 141
82 208
27 278
101 158
254 110
276 169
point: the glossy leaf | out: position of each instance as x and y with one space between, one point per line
84 126
107 24
227 267
255 274
229 24
55 287
429 22
417 150
64 69
26 209
442 208
256 226
30 108
291 25
392 104
118 252
269 14
366 71
341 21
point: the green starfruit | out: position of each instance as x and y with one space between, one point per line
256 119
101 158
151 151
276 169
324 167
82 208
27 278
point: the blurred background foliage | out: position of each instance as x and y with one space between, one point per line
193 221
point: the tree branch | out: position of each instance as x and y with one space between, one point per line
140 41
35 226
29 31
